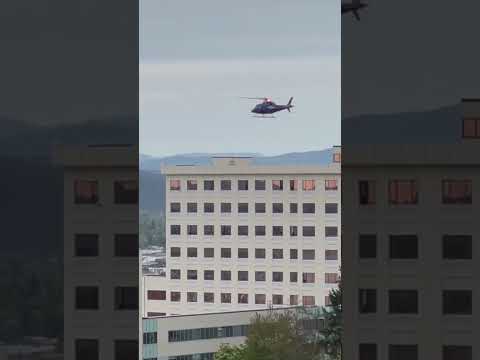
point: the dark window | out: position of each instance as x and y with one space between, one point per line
457 247
192 229
367 192
367 246
402 192
457 352
86 191
308 300
208 185
277 208
367 301
243 253
331 231
277 230
243 298
208 252
260 208
367 352
191 184
277 299
293 185
225 185
260 299
174 229
242 208
260 276
277 185
293 230
293 254
457 302
402 352
191 207
86 349
126 350
208 208
86 245
191 252
86 297
259 184
157 295
331 254
175 207
331 184
308 278
293 277
277 253
403 247
175 252
308 254
403 301
208 230
175 274
175 185
308 208
175 296
192 296
155 313
331 278
331 208
126 245
208 297
259 230
308 231
126 192
293 299
277 276
225 298
242 230
126 298
226 230
226 252
243 185
471 128
259 253
208 275
457 191
243 276
225 207
293 208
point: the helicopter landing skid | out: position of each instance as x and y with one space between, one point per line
264 117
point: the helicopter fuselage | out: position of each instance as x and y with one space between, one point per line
269 108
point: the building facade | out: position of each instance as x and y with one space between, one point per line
242 236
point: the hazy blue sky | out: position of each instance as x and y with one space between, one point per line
198 57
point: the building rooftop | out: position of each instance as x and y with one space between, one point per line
96 155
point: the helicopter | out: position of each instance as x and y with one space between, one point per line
353 7
268 107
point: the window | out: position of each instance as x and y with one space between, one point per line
403 301
308 231
226 252
293 185
242 185
86 349
277 253
175 296
308 254
243 298
208 185
225 275
192 297
225 185
126 191
457 352
308 278
259 184
208 208
367 246
259 253
402 352
225 207
308 300
192 275
293 208
191 207
337 157
260 276
277 276
402 192
174 229
260 299
457 191
150 338
86 191
86 245
293 254
157 295
331 208
293 277
259 230
277 230
191 252
331 184
242 230
331 231
175 185
457 302
457 247
242 276
367 192
175 274
277 208
208 230
277 185
191 184
208 252
243 208
309 208
367 301
293 299
192 229
175 207
331 254
331 278
277 299
328 301
243 253
471 128
293 230
208 297
208 275
367 351
175 252
86 297
308 185
226 230
126 298
403 247
126 349
260 208
225 298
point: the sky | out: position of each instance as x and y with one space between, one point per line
198 58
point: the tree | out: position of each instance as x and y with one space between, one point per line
331 335
230 352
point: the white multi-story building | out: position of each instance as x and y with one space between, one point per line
100 251
243 236
410 256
